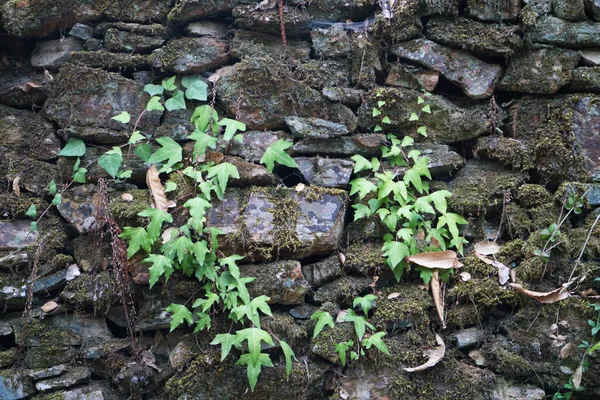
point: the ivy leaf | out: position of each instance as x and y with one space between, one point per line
143 151
203 116
135 137
154 90
211 298
161 265
33 226
413 177
122 117
361 211
341 349
111 161
203 141
79 175
57 200
360 323
422 205
361 186
157 217
451 220
275 153
154 104
222 172
361 163
138 239
395 253
197 207
365 302
376 112
253 337
226 340
439 200
422 130
176 102
288 353
413 117
170 151
180 313
386 120
260 303
169 83
426 109
203 322
75 147
31 211
253 369
179 247
52 187
196 88
323 319
377 340
232 126
420 100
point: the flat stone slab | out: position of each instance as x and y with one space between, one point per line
191 55
282 281
74 377
576 35
53 54
325 172
315 128
15 234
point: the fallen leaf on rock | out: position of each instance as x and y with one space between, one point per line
15 186
566 350
503 270
543 297
166 235
436 259
341 315
513 275
127 197
438 298
577 377
393 295
49 306
465 276
157 189
266 4
434 357
486 248
342 258
590 295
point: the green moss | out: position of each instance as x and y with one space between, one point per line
531 269
365 258
7 358
543 216
530 195
510 152
126 213
510 251
107 60
578 238
510 364
12 206
519 224
100 290
410 309
324 344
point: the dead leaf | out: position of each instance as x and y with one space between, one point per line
436 292
566 350
157 189
393 295
48 75
15 186
213 78
577 377
513 275
342 258
49 306
545 298
503 270
486 248
435 243
465 276
300 187
373 284
436 259
588 292
214 156
434 357
266 4
341 315
421 235
127 197
31 85
166 235
423 287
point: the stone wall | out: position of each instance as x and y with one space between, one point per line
515 125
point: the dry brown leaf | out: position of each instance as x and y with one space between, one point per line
465 276
266 4
393 295
31 85
486 248
373 284
436 292
15 186
423 287
436 259
435 243
166 235
300 187
421 235
214 156
157 189
341 315
588 293
342 258
577 377
545 298
127 197
49 306
503 270
434 357
513 275
566 350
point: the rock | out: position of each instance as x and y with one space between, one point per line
127 42
322 73
25 132
366 144
250 173
590 58
14 261
576 35
342 291
573 10
340 10
510 152
411 77
347 96
586 119
438 7
509 391
13 386
494 10
37 374
191 55
593 198
479 359
593 9
325 172
93 45
50 283
188 10
322 272
297 20
78 207
82 31
479 187
269 94
34 176
476 37
448 122
469 337
268 222
157 30
91 97
314 128
94 135
15 235
5 329
542 71
254 144
281 281
98 291
331 42
176 125
75 376
586 79
206 28
23 88
183 352
541 7
249 43
475 77
402 26
110 61
8 358
53 54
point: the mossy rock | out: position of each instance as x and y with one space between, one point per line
99 290
532 195
408 309
366 259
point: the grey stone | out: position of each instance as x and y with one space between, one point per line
83 394
367 145
191 55
254 144
189 10
331 42
511 391
343 290
37 374
250 173
14 261
54 54
297 20
315 128
586 79
322 272
281 281
590 57
479 359
347 96
13 386
325 172
494 10
571 10
303 311
576 35
78 207
469 337
96 135
542 71
93 45
15 235
140 29
34 175
176 125
5 328
22 88
441 161
75 376
50 283
539 6
593 196
593 8
475 77
438 7
329 73
127 42
278 222
81 31
8 357
206 28
411 77
249 43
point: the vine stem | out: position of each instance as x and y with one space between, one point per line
282 24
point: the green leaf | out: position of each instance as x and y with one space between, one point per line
211 299
341 349
451 220
377 340
361 211
203 141
361 186
253 369
135 137
288 353
203 116
111 161
161 265
226 340
154 104
197 207
170 151
323 319
395 253
180 313
222 172
413 177
376 112
170 187
33 226
203 322
422 205
79 175
420 100
426 109
179 247
361 163
169 83
377 128
52 187
31 211
413 117
138 239
366 302
275 153
57 200
386 120
439 200
360 323
154 90
232 126
123 117
143 151
380 103
422 130
176 102
425 274
260 303
157 217
253 337
197 89
75 147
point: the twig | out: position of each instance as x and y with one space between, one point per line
282 24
